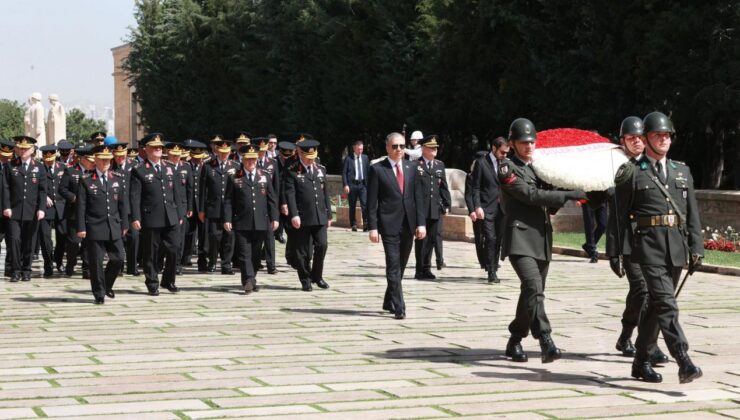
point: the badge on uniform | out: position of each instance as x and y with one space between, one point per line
115 197
504 169
172 184
685 194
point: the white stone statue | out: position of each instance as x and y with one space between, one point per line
56 123
34 119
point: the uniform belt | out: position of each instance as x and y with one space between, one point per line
669 220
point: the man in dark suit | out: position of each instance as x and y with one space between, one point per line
102 220
69 189
354 178
431 183
395 216
196 233
24 204
154 212
250 210
487 203
54 217
528 239
286 151
213 188
480 249
309 209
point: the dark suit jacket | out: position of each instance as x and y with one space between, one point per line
153 201
69 188
213 187
306 194
250 205
348 169
24 191
486 187
184 188
125 173
54 177
433 191
387 209
101 209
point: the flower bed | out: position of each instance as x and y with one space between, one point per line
725 241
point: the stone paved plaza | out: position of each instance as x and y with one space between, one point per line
211 351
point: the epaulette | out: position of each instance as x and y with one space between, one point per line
624 173
674 163
117 174
86 175
294 165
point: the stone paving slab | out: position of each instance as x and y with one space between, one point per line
211 352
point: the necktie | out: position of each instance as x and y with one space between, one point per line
358 176
659 172
105 181
399 177
223 166
249 176
156 169
429 165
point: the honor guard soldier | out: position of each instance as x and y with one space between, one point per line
431 183
102 221
310 214
54 217
154 212
250 210
24 204
69 189
123 164
528 239
184 194
196 239
270 167
656 194
286 151
619 244
213 189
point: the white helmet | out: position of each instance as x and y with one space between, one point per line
416 135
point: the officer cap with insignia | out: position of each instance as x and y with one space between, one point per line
65 146
86 152
174 148
49 152
6 148
216 138
24 142
262 142
522 129
222 145
242 137
631 126
658 122
310 148
97 136
198 149
103 151
430 141
302 137
119 149
133 152
152 140
249 151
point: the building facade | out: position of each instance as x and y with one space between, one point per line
127 122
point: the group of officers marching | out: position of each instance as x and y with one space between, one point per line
156 206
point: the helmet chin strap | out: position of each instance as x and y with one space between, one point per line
649 145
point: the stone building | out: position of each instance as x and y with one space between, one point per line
128 127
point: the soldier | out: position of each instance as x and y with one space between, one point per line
487 203
242 138
54 212
123 164
184 191
68 189
102 221
431 184
657 194
196 229
309 210
269 166
154 212
250 210
618 243
477 223
66 153
6 153
24 202
287 150
213 189
528 239
97 138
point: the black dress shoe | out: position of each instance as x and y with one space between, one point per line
272 270
441 265
306 285
178 272
657 358
515 351
111 294
687 371
354 228
624 344
211 269
60 270
26 277
228 271
85 274
69 271
281 239
493 278
14 278
366 229
643 370
594 259
48 273
400 315
550 352
425 275
256 288
322 284
99 301
172 288
154 292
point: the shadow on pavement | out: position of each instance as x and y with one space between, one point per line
328 311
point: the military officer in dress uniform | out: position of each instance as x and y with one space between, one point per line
657 195
619 244
66 153
54 217
250 210
528 239
102 221
69 190
24 204
309 210
154 212
6 153
213 189
242 138
431 183
123 164
97 138
196 239
184 191
287 150
269 166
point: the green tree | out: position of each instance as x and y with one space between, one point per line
79 127
11 118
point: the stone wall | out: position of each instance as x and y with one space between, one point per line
719 209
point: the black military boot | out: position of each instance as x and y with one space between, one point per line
641 369
687 371
550 352
624 344
657 357
515 351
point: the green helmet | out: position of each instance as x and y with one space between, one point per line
657 121
523 130
631 125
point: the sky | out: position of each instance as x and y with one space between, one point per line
62 47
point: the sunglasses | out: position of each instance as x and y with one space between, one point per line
398 146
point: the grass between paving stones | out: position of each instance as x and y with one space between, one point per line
576 239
